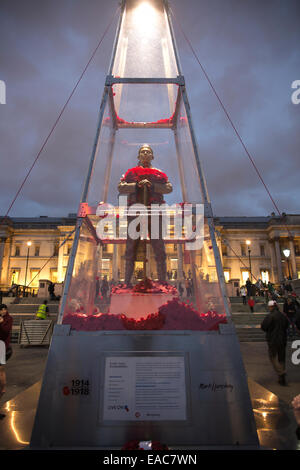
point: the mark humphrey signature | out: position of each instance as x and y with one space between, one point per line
215 387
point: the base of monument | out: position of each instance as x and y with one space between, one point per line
182 388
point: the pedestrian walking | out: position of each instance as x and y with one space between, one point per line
97 289
43 311
180 289
6 322
51 289
289 308
275 326
249 287
251 304
104 287
243 294
187 287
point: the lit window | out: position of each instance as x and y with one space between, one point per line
245 276
34 281
264 276
105 264
53 275
174 263
224 250
227 276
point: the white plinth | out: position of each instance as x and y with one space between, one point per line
137 305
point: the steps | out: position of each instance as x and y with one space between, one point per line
248 326
26 310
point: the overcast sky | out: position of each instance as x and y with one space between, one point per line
249 48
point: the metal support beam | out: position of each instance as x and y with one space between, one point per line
69 271
114 50
95 146
108 167
111 80
145 125
167 10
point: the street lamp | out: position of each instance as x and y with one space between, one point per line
286 253
28 248
248 243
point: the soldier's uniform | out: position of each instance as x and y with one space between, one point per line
154 195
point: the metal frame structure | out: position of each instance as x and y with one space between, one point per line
212 358
182 95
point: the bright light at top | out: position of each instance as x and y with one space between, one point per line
248 242
144 17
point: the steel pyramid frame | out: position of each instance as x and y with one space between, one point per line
218 411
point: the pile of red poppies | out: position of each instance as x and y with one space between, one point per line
173 315
154 321
101 321
183 316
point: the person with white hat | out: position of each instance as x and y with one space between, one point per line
275 325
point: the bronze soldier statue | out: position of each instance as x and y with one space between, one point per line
146 185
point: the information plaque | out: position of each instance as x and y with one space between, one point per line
144 388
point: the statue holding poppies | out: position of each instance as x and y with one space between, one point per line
145 185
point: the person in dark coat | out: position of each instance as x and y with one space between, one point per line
6 322
51 289
180 289
275 325
249 287
104 287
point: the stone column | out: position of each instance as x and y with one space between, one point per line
278 259
60 260
180 262
115 263
273 260
293 259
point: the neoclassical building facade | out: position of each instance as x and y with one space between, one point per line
32 249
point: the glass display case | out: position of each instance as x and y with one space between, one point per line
145 255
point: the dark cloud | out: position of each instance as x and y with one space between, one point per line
249 49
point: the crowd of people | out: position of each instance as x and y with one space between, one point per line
266 290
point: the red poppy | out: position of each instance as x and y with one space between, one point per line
139 172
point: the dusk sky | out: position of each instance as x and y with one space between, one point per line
250 50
